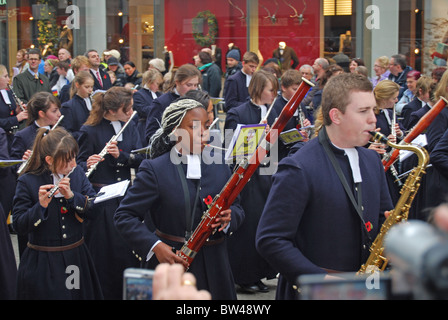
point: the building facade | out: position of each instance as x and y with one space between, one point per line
143 29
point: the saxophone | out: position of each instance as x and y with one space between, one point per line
376 260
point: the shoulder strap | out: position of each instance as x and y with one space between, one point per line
189 214
323 139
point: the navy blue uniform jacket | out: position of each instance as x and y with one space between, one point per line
246 113
142 102
23 140
309 223
8 266
157 198
42 275
155 113
93 139
408 109
8 119
75 114
235 90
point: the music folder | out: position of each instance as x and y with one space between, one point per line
112 191
9 163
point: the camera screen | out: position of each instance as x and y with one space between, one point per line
137 286
348 287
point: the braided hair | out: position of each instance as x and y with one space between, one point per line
172 117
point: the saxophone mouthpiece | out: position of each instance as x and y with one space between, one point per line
378 136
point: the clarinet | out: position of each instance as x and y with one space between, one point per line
421 126
240 177
56 187
16 98
24 164
103 152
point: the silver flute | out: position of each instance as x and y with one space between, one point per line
24 164
103 152
56 187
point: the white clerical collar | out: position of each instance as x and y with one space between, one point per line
193 165
353 159
248 78
153 94
46 127
5 97
88 103
117 127
263 109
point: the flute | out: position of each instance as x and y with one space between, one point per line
24 164
103 152
16 98
394 121
56 187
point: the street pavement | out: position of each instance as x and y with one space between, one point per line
272 284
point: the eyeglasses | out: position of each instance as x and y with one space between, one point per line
33 59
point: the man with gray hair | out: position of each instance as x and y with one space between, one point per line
398 72
307 71
320 66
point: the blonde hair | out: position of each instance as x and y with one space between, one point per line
384 90
423 85
80 78
383 61
151 75
442 87
3 70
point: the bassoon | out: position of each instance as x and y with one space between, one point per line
240 176
421 126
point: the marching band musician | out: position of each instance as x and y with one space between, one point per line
77 109
248 266
436 182
289 83
11 115
171 192
386 96
186 78
43 112
110 111
151 82
53 223
309 224
8 265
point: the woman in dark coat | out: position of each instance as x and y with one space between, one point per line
386 93
77 109
11 115
132 74
110 111
56 263
247 264
8 266
159 199
151 81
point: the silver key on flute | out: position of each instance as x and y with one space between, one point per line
56 187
